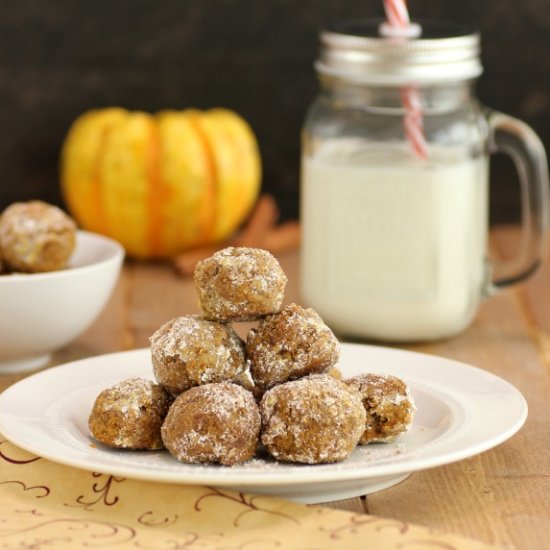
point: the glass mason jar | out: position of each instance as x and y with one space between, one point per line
395 217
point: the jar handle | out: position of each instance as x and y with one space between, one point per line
515 138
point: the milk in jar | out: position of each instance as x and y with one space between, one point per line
394 247
394 187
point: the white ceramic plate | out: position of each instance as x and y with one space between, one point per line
461 411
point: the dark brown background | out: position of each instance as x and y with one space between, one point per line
59 58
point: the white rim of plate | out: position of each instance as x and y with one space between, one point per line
458 442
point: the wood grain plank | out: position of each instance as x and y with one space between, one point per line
533 296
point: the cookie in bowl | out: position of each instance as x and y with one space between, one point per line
36 237
54 282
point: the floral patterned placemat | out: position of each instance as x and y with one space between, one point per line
44 505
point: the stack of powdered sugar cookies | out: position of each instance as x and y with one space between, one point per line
220 400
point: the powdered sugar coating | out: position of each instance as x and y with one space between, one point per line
189 351
214 423
314 420
290 344
36 237
239 284
389 406
129 415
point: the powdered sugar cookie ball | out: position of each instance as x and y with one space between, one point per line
314 420
36 237
290 344
189 351
239 284
214 423
130 414
388 404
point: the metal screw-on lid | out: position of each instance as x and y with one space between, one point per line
356 51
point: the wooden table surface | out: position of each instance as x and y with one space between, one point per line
501 496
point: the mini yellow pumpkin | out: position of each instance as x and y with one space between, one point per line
160 184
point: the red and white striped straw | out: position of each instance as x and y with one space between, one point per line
397 16
413 122
397 13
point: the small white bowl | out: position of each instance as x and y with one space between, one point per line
42 312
